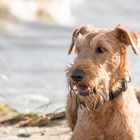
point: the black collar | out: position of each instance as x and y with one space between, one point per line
115 94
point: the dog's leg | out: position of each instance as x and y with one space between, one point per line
138 94
71 110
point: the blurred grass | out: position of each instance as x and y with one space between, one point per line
10 116
7 107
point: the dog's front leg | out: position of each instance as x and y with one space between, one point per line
71 110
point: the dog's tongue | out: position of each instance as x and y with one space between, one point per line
83 91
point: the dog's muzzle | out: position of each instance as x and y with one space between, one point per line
77 77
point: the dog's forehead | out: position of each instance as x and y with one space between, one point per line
99 35
99 32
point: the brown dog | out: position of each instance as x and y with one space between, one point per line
102 104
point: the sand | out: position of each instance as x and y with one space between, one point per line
57 131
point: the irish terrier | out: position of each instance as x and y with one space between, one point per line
102 104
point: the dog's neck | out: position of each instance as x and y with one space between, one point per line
119 90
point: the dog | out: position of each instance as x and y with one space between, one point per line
102 104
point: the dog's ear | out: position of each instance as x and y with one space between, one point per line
127 37
77 33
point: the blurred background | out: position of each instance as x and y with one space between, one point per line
34 39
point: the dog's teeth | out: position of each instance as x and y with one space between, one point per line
89 89
75 88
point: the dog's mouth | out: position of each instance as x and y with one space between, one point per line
82 90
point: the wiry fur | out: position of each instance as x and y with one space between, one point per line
95 117
137 90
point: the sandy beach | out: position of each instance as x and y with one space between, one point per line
17 126
59 131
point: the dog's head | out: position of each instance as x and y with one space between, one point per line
100 63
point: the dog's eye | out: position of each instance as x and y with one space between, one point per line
100 50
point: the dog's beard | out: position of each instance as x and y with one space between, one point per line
93 100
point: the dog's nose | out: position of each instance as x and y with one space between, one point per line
77 75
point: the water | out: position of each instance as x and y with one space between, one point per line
33 62
33 55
